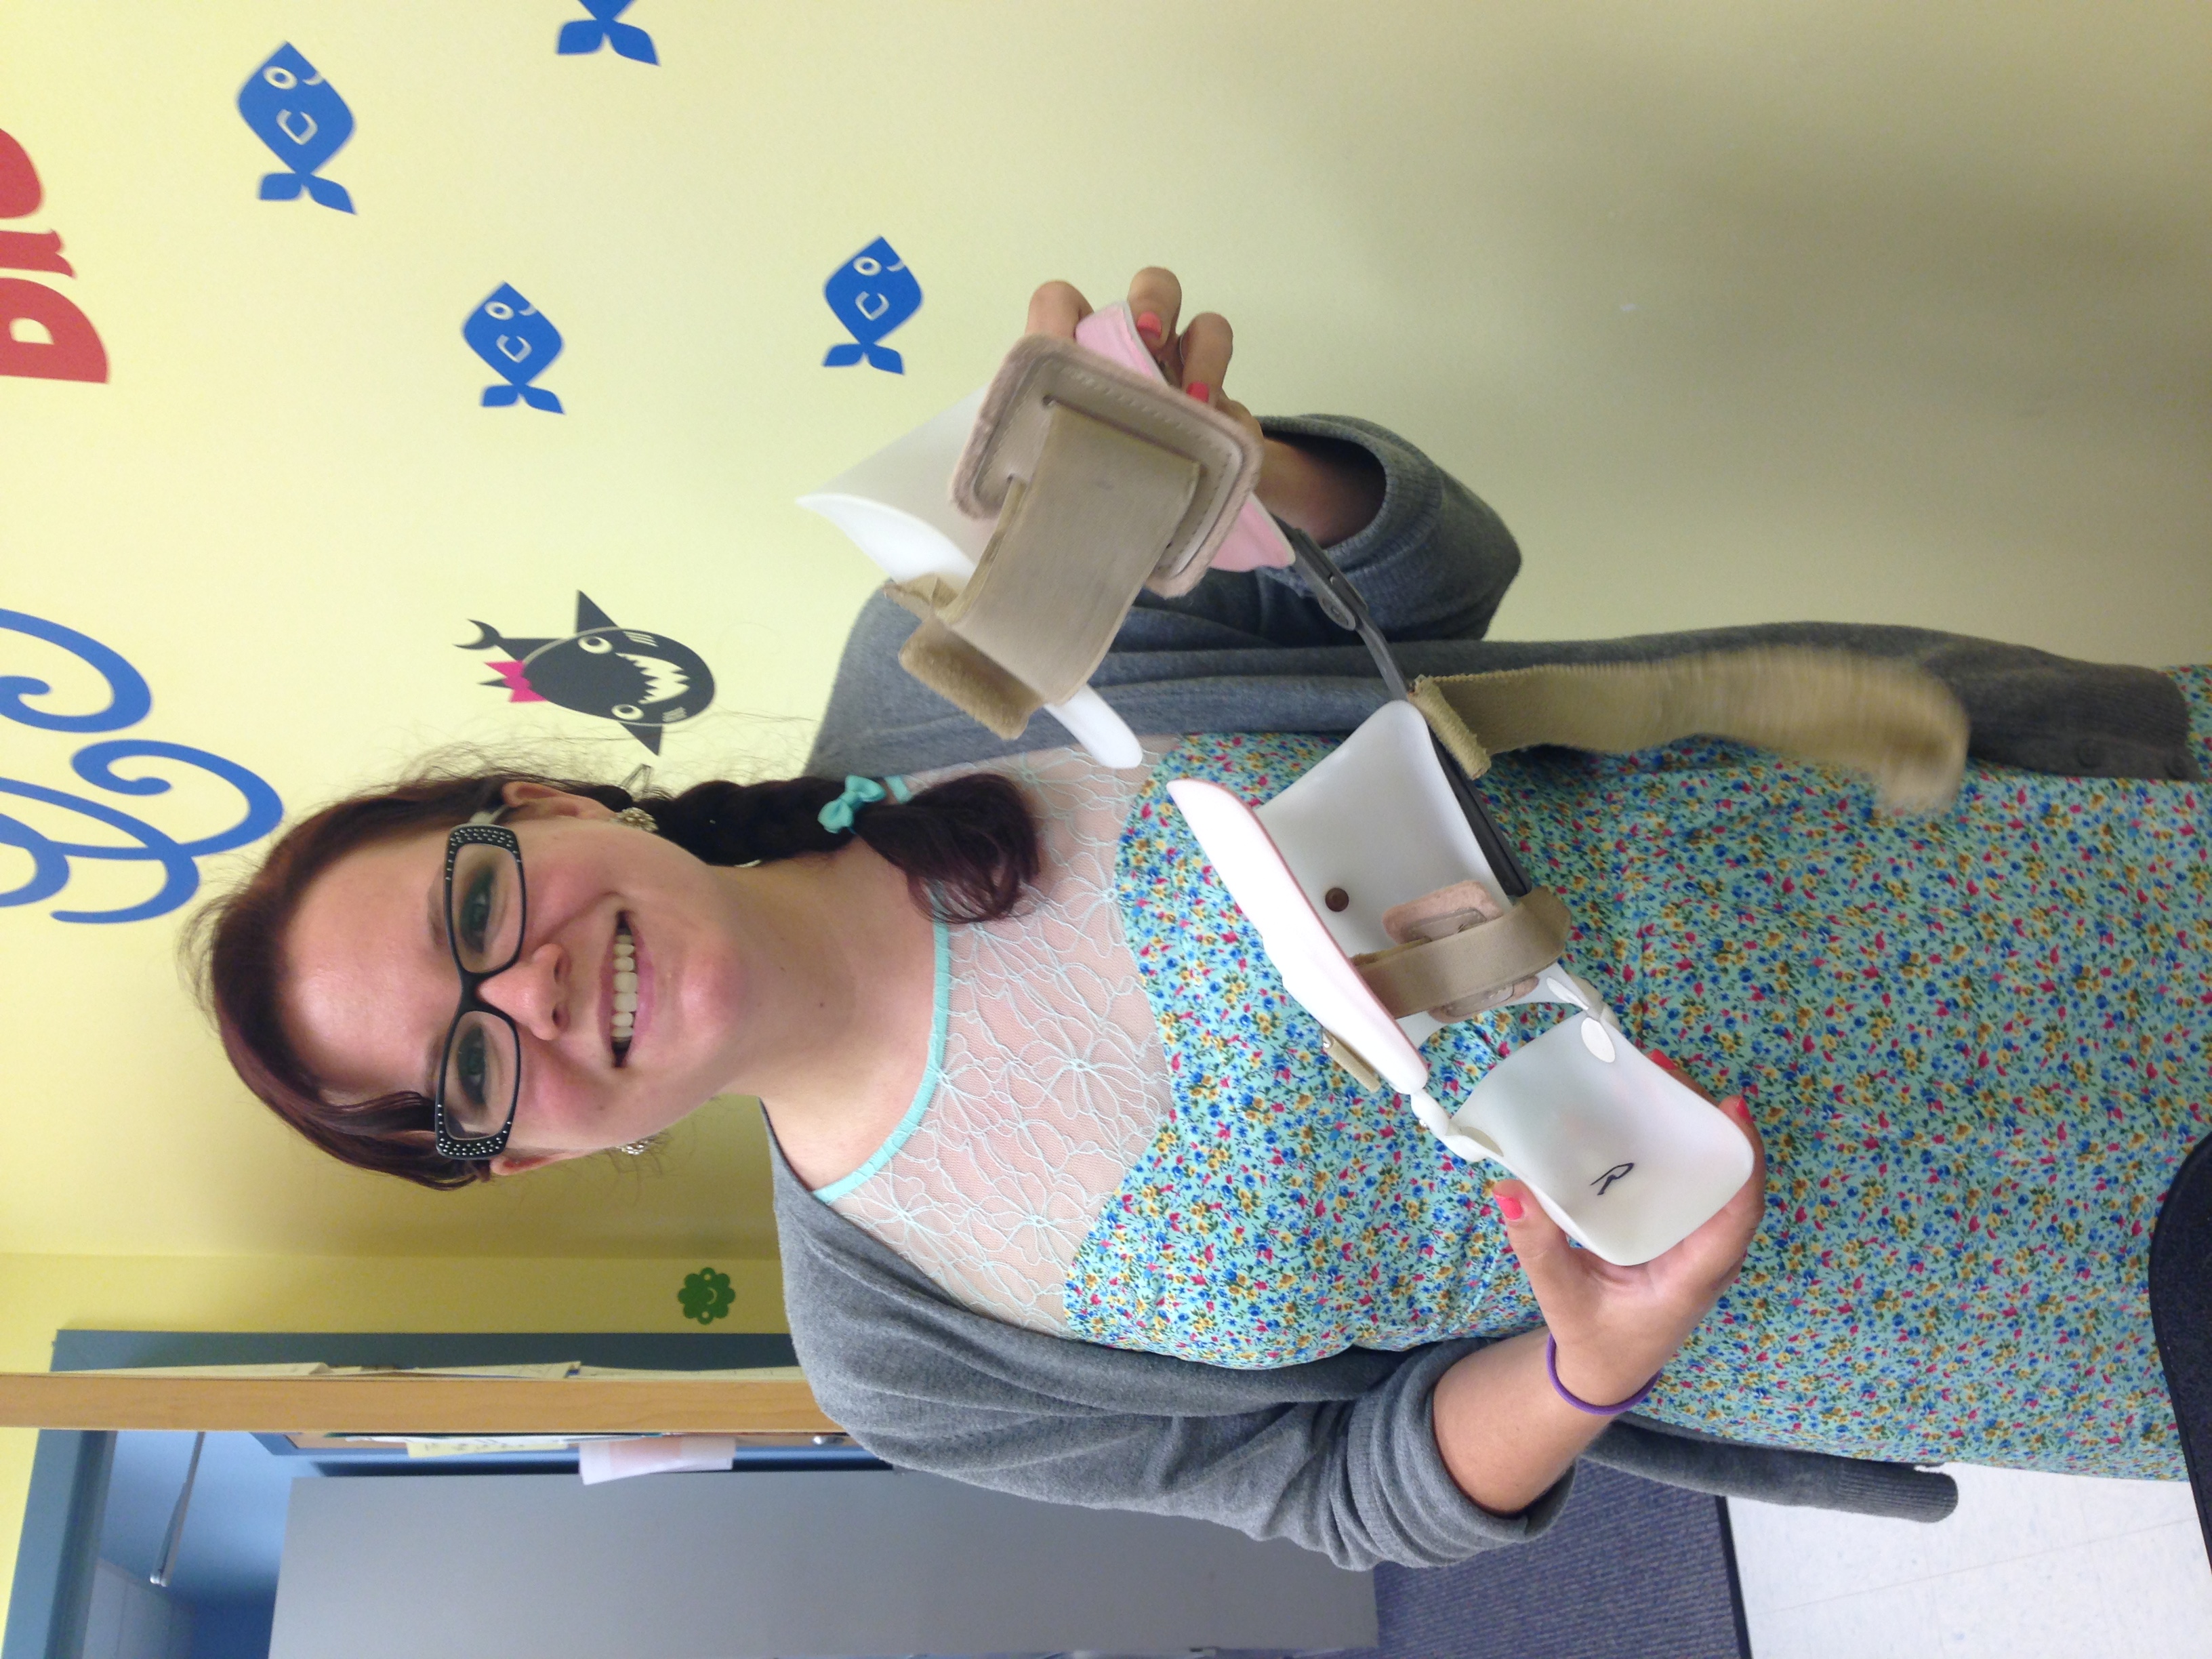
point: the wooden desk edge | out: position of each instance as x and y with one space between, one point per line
407 1405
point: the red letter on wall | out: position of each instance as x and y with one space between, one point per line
18 181
71 350
32 249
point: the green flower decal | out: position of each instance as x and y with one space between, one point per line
707 1296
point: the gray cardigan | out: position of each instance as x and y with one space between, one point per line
1338 1454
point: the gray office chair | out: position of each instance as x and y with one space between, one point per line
2181 1315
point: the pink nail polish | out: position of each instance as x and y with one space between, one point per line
1509 1206
1148 324
1735 1107
1659 1059
1199 390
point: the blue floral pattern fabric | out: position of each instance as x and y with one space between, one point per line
1282 1212
1978 1046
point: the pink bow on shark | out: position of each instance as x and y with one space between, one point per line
518 682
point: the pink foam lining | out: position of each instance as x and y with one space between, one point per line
1255 542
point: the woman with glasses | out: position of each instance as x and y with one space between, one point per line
1069 1206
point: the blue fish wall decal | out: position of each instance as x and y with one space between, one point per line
302 120
872 293
512 336
590 34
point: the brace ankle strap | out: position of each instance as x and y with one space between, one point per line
1462 972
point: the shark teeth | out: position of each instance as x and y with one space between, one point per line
623 1025
663 678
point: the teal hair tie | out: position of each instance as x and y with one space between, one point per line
837 816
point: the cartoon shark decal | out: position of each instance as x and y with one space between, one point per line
645 683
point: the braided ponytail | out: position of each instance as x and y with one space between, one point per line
969 845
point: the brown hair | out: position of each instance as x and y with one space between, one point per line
969 846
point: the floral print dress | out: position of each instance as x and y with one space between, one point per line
1978 1046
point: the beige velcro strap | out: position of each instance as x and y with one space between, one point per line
1449 910
1070 550
1008 446
1900 726
1102 483
1466 967
956 670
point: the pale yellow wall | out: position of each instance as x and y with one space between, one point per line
1737 312
1918 335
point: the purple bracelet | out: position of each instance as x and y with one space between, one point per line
1551 1369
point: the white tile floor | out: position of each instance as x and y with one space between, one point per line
2030 1566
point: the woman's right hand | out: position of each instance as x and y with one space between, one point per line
1331 490
1196 360
1616 1327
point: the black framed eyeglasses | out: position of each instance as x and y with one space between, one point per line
480 1069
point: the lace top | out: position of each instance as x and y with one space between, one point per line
1046 1080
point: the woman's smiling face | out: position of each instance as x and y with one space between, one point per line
371 986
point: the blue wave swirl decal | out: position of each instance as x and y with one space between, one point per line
129 699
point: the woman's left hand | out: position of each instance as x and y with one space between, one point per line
1616 1327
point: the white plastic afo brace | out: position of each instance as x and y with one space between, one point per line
1554 984
897 508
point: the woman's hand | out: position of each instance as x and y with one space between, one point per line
1197 360
1617 1326
1331 491
1504 1432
